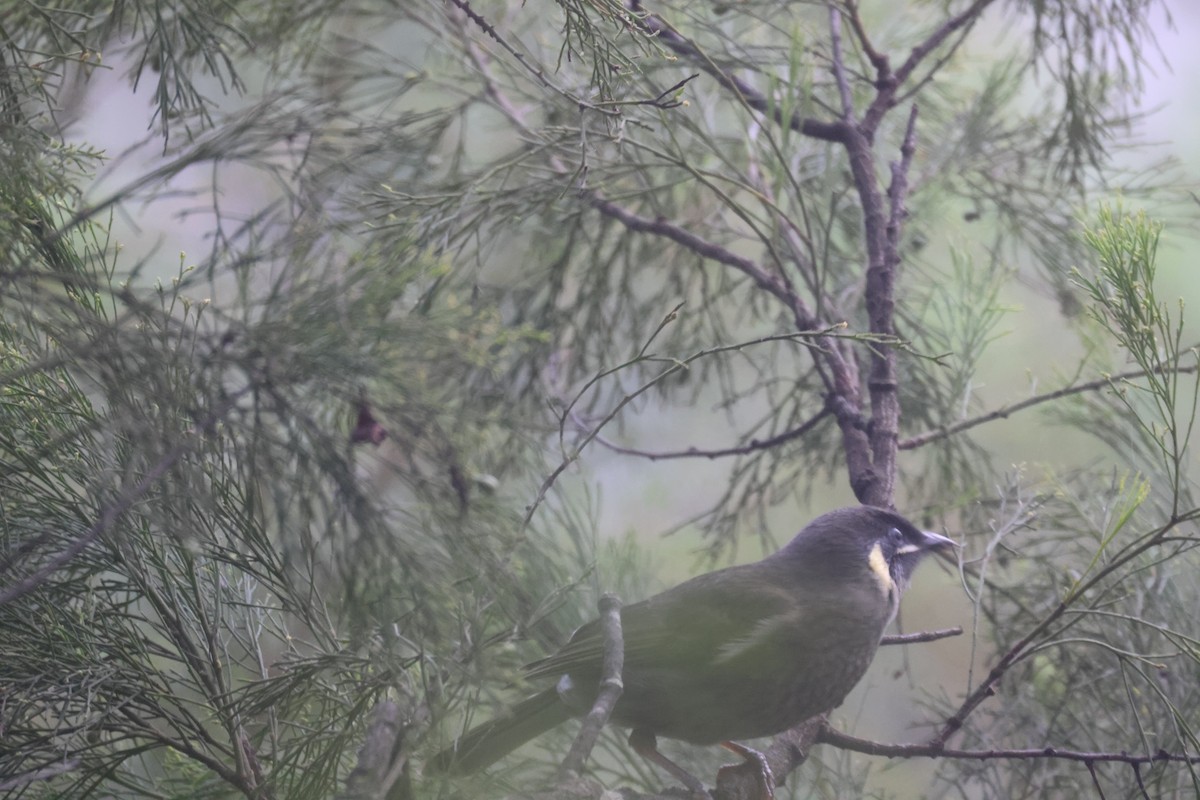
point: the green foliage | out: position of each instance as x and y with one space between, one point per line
1115 549
341 456
1126 305
232 537
207 585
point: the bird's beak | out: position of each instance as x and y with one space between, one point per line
942 547
935 541
930 541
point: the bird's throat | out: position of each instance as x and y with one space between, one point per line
881 571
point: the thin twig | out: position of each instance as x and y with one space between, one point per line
886 98
185 746
538 73
44 774
935 750
715 252
1137 774
660 102
662 32
883 69
839 66
817 336
1003 412
1021 648
1091 768
741 450
923 636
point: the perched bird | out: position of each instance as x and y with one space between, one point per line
739 653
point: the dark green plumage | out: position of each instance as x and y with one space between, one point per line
738 653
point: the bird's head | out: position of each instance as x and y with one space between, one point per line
864 544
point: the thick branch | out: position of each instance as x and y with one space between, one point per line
871 461
611 688
787 751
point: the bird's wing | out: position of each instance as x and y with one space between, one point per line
716 616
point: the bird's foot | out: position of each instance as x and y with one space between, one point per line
645 745
731 787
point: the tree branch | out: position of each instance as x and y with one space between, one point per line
883 69
886 99
1003 412
537 72
676 365
870 452
750 447
987 688
46 773
839 66
935 750
923 636
611 688
662 31
715 252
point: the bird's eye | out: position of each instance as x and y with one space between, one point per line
895 537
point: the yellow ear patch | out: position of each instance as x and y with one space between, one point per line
879 566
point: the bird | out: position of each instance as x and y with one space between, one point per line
739 653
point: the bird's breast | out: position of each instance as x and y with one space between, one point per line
750 692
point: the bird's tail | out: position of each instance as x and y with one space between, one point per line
487 743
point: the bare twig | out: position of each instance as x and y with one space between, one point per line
1003 412
715 252
923 636
933 749
661 100
839 66
44 774
883 69
611 688
886 98
898 189
741 450
1091 768
1137 774
817 338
